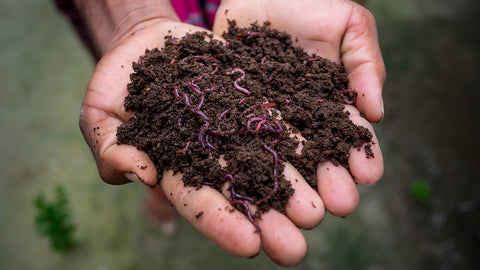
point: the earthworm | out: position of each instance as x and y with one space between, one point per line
213 88
236 198
237 86
349 96
275 178
175 92
205 127
184 149
140 59
264 59
200 104
308 75
215 70
174 41
202 134
175 56
253 120
254 107
250 33
223 114
193 84
249 213
243 100
234 194
272 130
309 60
188 102
210 144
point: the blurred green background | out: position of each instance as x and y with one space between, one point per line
424 214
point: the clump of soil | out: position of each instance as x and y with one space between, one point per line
197 100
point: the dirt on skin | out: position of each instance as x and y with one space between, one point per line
197 100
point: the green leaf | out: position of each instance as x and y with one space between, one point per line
420 190
53 220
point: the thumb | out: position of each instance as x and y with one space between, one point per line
361 56
117 164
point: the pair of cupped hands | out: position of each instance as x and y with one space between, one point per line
340 30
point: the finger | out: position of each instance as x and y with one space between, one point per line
366 170
282 241
337 189
213 216
361 56
304 208
117 164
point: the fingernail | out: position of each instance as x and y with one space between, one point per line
382 110
134 178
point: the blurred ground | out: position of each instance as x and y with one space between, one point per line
431 50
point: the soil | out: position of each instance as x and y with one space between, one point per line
197 101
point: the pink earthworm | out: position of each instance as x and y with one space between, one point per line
236 198
250 33
213 88
264 59
243 100
254 107
185 148
237 86
210 145
141 58
249 213
223 114
275 178
349 96
200 104
253 120
174 41
175 92
309 60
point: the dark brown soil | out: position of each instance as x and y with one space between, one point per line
196 101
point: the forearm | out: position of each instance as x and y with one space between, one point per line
109 22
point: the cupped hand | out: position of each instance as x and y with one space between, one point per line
344 32
103 111
340 30
208 210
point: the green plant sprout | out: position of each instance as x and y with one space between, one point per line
420 190
53 221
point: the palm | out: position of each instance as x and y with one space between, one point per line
336 29
102 110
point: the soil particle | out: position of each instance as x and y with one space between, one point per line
197 101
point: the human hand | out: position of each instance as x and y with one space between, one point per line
344 32
103 111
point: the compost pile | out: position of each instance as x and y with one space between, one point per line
198 100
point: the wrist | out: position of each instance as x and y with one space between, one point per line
110 22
